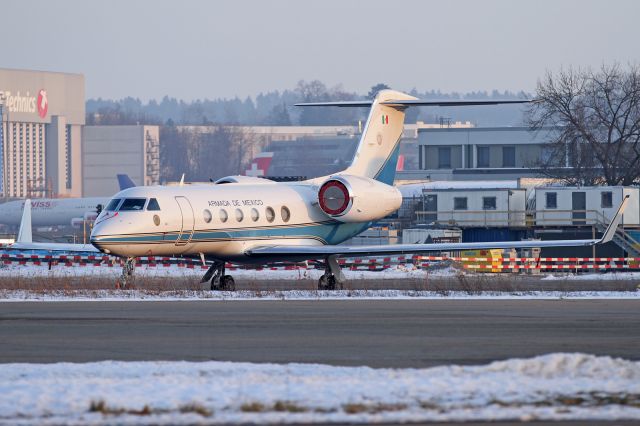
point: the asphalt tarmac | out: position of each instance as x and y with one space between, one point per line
386 333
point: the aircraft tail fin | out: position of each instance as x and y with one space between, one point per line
377 153
125 182
24 234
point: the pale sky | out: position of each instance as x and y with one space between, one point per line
210 49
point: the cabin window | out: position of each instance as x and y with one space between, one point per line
285 213
153 205
483 156
255 215
460 203
269 214
113 205
551 200
133 204
488 203
606 199
206 215
239 215
223 216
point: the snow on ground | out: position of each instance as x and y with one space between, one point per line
554 387
622 276
240 295
399 271
174 271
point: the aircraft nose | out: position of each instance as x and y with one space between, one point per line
97 236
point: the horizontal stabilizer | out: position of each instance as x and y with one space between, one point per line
419 102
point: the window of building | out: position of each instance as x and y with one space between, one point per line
551 200
488 203
606 199
133 204
508 156
154 206
255 215
239 215
285 213
444 157
206 215
224 216
483 156
460 203
269 214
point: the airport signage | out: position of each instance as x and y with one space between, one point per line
26 102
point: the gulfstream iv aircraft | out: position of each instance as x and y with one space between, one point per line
252 220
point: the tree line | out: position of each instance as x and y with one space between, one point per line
276 108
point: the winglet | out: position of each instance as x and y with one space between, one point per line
613 225
24 234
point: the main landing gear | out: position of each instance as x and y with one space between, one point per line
333 278
219 281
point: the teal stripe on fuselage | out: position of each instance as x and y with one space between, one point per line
328 233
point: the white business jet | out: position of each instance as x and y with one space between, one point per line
254 221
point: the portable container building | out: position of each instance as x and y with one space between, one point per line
577 206
478 207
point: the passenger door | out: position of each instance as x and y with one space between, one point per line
579 202
187 221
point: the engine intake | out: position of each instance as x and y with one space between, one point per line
349 198
334 198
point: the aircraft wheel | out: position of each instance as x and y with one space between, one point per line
322 283
327 282
228 283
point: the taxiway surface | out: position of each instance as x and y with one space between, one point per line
378 333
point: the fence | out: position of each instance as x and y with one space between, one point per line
483 264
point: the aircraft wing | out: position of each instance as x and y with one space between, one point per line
351 251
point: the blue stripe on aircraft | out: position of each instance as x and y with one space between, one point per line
334 233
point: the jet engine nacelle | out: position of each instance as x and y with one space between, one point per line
349 198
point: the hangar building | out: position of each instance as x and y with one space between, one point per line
42 118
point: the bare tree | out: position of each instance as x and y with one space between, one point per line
594 120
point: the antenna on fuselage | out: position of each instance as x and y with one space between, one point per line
182 180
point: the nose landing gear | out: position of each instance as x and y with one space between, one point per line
219 281
128 268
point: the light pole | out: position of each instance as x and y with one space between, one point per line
2 174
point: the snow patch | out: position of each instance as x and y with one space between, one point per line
240 295
553 387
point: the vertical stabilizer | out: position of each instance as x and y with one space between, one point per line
377 152
24 234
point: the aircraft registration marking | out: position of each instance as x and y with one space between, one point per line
234 203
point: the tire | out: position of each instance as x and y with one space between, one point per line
322 283
331 282
228 283
327 282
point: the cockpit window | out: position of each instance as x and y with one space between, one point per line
153 204
130 204
113 204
